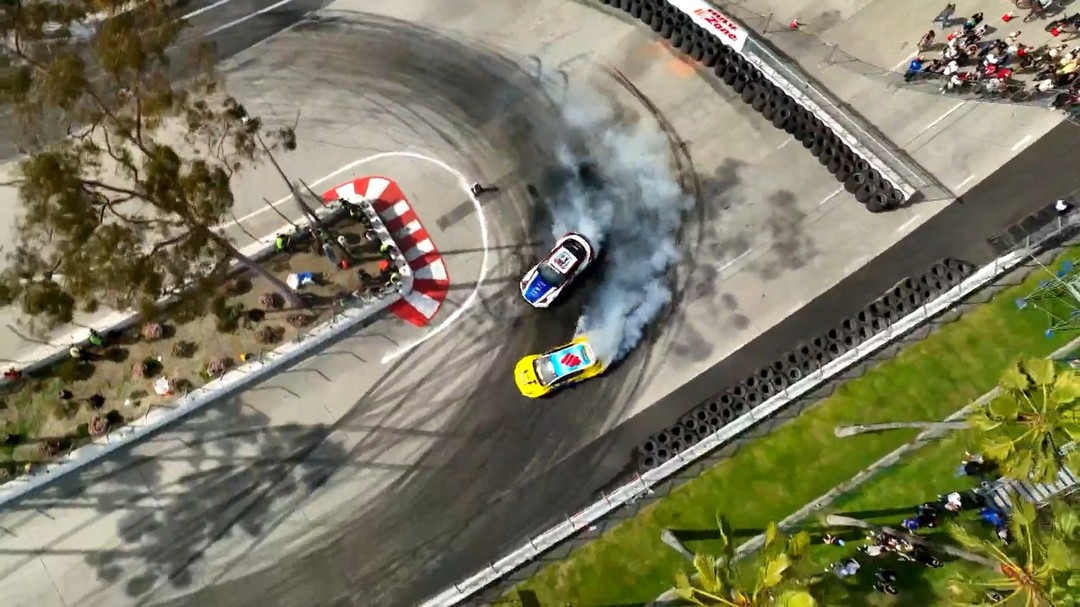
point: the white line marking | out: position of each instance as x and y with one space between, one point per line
408 229
786 141
236 22
727 265
855 265
435 270
197 12
906 61
485 239
422 248
465 185
963 183
945 115
831 196
400 208
1019 144
422 303
907 224
346 188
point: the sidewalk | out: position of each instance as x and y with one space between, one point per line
254 225
894 458
959 142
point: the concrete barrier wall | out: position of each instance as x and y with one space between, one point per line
232 381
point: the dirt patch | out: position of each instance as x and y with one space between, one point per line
48 412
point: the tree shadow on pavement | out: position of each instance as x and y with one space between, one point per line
225 475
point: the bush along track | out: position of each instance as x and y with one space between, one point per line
119 375
850 168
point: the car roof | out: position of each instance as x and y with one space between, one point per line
570 359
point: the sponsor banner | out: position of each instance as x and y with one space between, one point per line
718 24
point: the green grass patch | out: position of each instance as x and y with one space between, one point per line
773 477
887 498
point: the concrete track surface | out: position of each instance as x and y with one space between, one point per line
383 469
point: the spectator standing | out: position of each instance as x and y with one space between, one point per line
914 68
946 15
972 22
927 40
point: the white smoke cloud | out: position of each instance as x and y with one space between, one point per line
632 210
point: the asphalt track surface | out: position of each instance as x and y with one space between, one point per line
959 232
311 579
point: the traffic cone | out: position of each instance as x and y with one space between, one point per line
794 24
1007 17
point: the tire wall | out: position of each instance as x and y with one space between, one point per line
802 360
679 22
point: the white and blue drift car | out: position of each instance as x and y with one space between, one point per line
543 283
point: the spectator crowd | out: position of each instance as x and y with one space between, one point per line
971 56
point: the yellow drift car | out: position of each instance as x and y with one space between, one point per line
537 375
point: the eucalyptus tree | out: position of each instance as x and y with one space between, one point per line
131 145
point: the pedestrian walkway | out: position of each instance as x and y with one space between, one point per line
1003 492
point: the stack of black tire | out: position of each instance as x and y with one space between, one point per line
896 303
858 177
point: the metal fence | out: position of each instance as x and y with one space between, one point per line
822 54
888 154
664 475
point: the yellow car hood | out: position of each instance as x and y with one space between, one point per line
526 380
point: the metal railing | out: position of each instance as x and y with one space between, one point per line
887 153
823 55
345 315
644 483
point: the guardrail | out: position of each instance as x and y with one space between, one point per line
876 150
788 79
643 483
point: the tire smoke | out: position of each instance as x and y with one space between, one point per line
625 198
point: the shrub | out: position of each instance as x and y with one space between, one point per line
98 426
267 334
64 409
299 320
217 367
69 371
152 331
271 301
52 447
183 349
227 316
181 385
114 418
239 286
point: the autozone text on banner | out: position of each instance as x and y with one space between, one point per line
718 24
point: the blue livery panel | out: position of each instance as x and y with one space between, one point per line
537 288
570 359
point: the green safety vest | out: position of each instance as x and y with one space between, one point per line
279 243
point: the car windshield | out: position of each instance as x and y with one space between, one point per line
545 370
550 275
